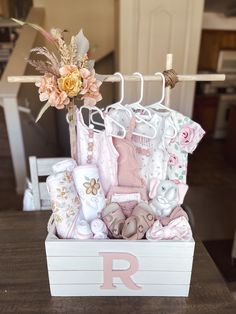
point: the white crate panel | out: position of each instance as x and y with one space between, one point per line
140 277
96 263
95 290
177 249
76 269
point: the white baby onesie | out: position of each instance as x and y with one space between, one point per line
97 148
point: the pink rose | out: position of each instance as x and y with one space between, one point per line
186 135
48 90
173 160
47 84
58 99
90 87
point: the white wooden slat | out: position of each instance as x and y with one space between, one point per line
140 277
35 181
96 263
43 191
44 165
95 290
138 248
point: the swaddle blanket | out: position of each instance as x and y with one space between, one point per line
88 186
65 203
67 164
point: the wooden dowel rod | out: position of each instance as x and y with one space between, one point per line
114 78
169 65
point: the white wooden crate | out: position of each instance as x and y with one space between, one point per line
76 268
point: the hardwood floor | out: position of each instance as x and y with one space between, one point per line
211 194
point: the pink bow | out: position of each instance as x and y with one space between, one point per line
177 229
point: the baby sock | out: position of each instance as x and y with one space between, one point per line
99 229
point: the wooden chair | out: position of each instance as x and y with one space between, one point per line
40 167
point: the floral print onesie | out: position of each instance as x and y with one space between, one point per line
188 135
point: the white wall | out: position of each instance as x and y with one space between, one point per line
95 17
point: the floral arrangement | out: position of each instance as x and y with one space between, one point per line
67 73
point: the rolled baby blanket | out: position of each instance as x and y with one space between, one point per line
88 186
67 164
65 203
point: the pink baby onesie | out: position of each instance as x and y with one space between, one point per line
98 149
150 153
128 167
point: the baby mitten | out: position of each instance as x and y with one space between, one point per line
88 186
99 229
83 230
65 203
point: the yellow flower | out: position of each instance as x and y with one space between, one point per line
62 192
70 83
67 177
92 187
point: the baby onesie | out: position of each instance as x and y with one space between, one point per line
128 167
97 148
150 153
188 135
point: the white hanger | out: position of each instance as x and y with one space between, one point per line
116 105
90 108
159 105
137 105
92 121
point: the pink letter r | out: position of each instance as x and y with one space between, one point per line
124 275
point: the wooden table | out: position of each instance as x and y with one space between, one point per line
24 282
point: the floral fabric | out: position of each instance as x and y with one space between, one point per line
91 194
177 229
65 203
188 135
102 154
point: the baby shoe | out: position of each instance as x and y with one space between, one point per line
83 230
139 222
127 207
114 219
99 229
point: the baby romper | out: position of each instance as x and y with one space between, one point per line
128 167
189 134
97 148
